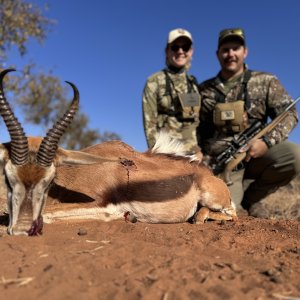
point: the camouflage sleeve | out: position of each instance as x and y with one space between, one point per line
278 100
206 127
150 115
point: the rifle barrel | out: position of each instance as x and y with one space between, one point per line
292 104
249 131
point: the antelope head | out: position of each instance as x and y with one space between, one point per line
30 163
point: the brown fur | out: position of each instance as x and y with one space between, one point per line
156 187
155 176
170 185
30 174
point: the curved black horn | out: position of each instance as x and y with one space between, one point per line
19 142
49 144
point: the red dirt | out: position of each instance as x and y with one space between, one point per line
250 259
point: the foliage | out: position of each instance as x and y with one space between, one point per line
41 97
20 21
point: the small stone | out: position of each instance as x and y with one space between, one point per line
235 268
223 277
219 265
276 278
82 231
152 277
47 268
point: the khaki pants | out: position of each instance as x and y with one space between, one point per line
263 176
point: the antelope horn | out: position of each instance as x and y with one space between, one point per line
49 143
19 142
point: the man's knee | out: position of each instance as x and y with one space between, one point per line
276 169
286 153
282 159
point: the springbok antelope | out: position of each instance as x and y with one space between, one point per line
105 181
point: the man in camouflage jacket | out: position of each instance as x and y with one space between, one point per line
271 161
171 100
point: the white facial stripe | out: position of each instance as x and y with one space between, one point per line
14 201
36 194
40 192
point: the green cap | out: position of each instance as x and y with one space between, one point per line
231 33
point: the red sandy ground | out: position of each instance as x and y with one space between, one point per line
250 259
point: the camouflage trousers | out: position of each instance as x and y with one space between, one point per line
263 176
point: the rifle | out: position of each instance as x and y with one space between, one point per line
231 156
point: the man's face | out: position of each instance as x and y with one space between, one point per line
231 56
180 52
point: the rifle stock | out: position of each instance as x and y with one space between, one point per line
240 156
226 174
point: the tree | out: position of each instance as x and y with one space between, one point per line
42 97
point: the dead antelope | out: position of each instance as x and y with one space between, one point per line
104 181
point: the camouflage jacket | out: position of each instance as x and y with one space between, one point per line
162 109
266 98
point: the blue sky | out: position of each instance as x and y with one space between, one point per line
109 48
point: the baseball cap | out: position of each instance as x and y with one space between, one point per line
231 33
177 33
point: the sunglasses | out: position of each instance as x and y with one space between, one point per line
185 47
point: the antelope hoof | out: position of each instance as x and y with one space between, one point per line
129 217
202 215
220 216
205 214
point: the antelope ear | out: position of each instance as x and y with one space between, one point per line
69 157
3 154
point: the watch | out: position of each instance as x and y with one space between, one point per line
267 141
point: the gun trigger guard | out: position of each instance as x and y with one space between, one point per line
245 148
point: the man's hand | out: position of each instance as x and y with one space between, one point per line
256 148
